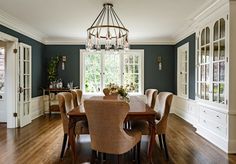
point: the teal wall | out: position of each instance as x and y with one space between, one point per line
38 67
72 64
163 80
153 78
191 39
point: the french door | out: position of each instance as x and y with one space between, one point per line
24 97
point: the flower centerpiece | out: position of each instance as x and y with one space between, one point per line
115 89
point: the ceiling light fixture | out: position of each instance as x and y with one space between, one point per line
108 30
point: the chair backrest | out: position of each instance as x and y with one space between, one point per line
65 105
77 96
106 91
105 121
164 100
151 95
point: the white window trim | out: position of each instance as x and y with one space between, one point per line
140 52
184 47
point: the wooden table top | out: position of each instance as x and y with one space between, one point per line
137 106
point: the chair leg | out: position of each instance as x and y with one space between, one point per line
63 145
165 146
134 151
160 141
138 152
119 158
94 156
104 156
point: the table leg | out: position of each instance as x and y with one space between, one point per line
72 125
152 140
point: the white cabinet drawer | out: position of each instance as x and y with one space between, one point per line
213 115
214 127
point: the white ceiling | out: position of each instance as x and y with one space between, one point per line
149 21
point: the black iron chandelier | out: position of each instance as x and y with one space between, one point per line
107 30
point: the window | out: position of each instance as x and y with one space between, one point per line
2 69
211 61
98 69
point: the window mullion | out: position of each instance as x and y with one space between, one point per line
122 69
102 71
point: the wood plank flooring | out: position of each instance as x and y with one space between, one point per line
40 143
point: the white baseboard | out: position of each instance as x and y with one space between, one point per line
37 106
232 147
220 142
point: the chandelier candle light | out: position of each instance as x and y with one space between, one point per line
108 30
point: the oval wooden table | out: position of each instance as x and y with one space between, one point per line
138 111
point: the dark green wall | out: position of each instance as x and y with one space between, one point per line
38 70
72 64
153 78
163 80
191 40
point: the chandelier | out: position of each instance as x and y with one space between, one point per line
107 30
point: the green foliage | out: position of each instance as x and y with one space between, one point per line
52 68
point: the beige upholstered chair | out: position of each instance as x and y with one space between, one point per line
105 120
164 100
65 106
77 96
151 95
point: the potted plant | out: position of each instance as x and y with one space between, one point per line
52 69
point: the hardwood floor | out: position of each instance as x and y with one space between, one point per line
41 141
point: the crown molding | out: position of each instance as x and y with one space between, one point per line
202 14
67 41
19 26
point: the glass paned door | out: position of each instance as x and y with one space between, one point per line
2 71
132 71
25 84
182 69
111 69
92 72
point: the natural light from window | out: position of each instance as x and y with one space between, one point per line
99 69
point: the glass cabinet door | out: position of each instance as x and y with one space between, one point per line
218 63
211 58
203 59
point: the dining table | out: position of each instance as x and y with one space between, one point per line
139 110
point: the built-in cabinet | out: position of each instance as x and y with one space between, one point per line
213 112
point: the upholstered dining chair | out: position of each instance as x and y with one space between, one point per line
105 121
151 95
163 106
66 105
77 96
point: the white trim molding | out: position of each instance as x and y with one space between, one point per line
202 15
21 27
37 105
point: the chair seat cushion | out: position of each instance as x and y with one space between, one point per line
140 125
81 127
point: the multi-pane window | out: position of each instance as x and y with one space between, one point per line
102 68
211 63
2 68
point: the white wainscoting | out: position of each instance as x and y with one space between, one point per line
37 105
217 126
186 109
